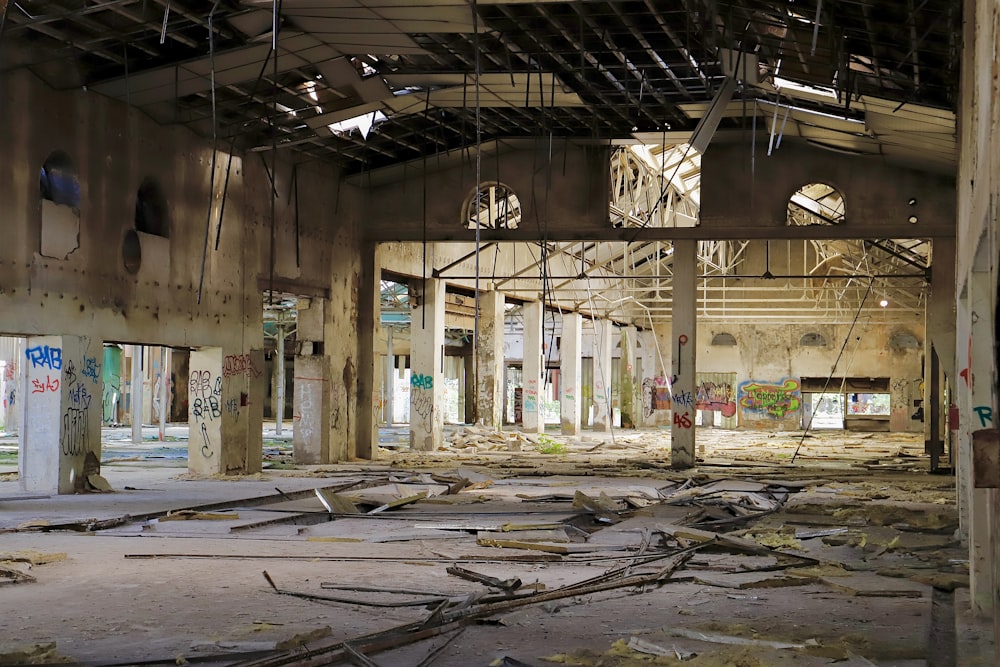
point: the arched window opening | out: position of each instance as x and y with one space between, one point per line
724 339
816 204
58 182
152 216
812 340
492 206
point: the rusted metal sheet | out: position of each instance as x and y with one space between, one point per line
986 458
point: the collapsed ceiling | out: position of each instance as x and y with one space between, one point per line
368 83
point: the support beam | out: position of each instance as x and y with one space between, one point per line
60 420
683 346
426 378
627 380
532 369
279 374
570 373
135 394
489 350
603 335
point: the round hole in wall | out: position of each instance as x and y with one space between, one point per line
913 201
912 219
131 252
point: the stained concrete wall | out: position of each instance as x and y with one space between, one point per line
91 293
736 191
976 256
771 359
562 188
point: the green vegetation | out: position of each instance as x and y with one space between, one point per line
547 445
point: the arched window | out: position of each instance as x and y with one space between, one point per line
58 182
152 215
816 204
492 206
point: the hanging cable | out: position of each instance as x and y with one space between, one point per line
833 369
479 180
215 143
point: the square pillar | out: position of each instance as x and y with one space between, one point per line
60 420
627 381
531 368
310 409
975 386
426 375
603 419
225 412
683 345
490 361
570 372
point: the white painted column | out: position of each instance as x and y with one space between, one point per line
61 420
310 416
570 373
603 334
164 389
390 376
279 389
532 368
426 376
135 394
489 350
683 344
627 382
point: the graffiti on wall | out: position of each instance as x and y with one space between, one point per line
239 364
771 399
655 395
43 356
985 414
205 394
75 437
718 396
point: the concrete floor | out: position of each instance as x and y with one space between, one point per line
168 591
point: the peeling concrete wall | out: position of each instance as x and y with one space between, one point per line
768 358
92 293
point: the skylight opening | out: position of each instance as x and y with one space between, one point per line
780 83
363 123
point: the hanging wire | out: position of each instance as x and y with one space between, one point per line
833 369
215 145
479 180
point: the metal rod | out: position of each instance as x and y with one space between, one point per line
819 9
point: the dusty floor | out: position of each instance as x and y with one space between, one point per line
845 557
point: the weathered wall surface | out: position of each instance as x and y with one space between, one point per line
767 362
876 194
89 291
563 192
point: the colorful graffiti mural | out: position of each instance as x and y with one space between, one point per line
773 399
718 396
655 395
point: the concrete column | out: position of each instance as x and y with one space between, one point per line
365 443
469 385
12 381
279 382
976 380
426 376
311 418
135 394
61 420
532 369
570 373
627 381
603 333
489 350
683 345
225 411
939 337
390 376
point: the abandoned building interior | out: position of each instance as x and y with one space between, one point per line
499 332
